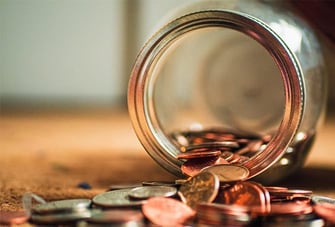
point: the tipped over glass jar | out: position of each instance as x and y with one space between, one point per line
246 72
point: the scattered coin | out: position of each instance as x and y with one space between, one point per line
213 214
146 192
246 193
167 211
289 194
228 172
203 187
58 218
316 199
13 217
116 198
326 211
117 217
160 183
290 208
67 205
122 186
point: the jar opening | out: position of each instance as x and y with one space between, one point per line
215 71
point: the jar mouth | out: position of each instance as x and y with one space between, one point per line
142 109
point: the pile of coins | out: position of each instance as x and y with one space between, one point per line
216 193
205 199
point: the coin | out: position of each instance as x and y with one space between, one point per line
163 211
61 206
65 217
118 216
213 145
115 198
204 153
13 217
122 186
246 193
213 214
326 211
202 187
322 199
290 194
290 208
228 172
160 183
145 192
193 166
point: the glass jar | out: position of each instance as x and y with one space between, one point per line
248 67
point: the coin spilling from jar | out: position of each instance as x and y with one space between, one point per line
217 192
201 200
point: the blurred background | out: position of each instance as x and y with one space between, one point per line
80 52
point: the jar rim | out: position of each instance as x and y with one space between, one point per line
286 61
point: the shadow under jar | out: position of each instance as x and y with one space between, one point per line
244 71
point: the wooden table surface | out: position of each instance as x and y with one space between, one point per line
51 152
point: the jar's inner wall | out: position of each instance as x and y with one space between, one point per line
217 78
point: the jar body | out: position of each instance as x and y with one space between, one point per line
245 66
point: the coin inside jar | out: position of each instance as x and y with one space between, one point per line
201 153
193 166
228 172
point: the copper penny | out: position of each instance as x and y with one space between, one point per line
164 211
325 211
228 172
275 189
213 214
287 195
193 166
290 208
213 145
246 194
203 187
13 217
199 154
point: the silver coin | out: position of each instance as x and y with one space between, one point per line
62 217
117 216
115 198
122 186
160 183
145 192
59 206
322 199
